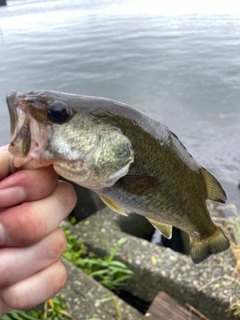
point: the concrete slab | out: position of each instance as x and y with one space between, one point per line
209 287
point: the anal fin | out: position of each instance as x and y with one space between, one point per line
113 205
164 229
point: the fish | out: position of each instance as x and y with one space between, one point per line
132 161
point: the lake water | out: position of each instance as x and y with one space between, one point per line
181 68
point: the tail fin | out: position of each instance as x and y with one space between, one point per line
201 250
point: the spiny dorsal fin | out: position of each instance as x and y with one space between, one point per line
164 229
215 191
113 205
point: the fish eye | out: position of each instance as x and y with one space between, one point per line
58 113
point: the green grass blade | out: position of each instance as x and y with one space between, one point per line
6 317
115 249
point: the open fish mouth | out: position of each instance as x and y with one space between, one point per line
20 130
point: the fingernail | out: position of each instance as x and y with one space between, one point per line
2 235
11 196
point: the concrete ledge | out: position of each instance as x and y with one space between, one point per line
207 287
84 297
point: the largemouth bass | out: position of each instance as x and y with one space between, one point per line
133 162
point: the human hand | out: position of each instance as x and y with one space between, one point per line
32 205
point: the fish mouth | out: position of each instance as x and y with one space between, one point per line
19 125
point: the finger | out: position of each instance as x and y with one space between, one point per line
4 163
13 268
36 289
4 148
35 220
27 185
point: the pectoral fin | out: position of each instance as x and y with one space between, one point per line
137 184
113 205
164 229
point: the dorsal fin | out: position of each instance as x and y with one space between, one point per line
215 191
164 229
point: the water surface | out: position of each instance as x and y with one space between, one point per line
183 69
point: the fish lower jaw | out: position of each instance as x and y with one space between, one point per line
17 163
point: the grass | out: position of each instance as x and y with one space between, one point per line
53 309
116 305
111 273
